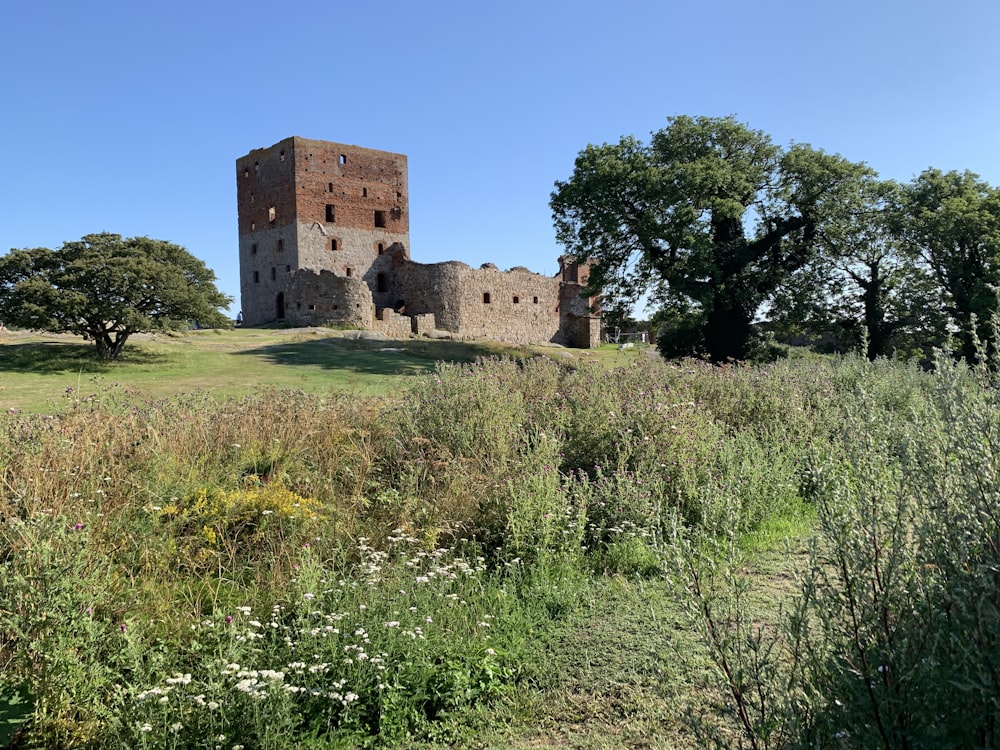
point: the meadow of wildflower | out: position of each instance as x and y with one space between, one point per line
513 552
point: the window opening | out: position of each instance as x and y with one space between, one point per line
535 300
329 187
350 271
281 245
274 273
486 298
281 156
253 249
271 214
333 245
330 214
364 192
256 277
279 306
517 300
343 158
380 218
381 248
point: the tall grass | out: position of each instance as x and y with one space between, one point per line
288 570
892 641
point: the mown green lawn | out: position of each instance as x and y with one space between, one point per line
37 371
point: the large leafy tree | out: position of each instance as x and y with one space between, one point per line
952 219
106 288
709 218
865 287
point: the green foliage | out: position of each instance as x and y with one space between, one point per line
897 612
106 288
953 221
866 290
288 570
16 705
711 218
385 651
62 613
913 557
256 521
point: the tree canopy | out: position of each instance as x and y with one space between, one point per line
106 288
952 219
710 218
866 288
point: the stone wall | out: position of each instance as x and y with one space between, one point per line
517 306
266 258
342 211
315 204
392 324
325 299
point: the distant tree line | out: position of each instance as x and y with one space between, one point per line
737 242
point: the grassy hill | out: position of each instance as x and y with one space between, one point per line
36 370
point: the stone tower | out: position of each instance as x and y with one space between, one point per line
305 204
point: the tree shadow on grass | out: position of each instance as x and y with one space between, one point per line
51 357
376 357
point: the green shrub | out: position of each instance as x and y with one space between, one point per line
894 640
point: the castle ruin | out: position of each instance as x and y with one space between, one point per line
324 240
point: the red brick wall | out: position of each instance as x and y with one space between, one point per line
264 180
363 180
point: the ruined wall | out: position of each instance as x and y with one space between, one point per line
357 182
266 258
320 205
580 317
392 324
325 299
517 306
426 289
343 212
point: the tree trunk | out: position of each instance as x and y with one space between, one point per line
110 347
728 330
879 334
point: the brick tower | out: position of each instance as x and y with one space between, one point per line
305 204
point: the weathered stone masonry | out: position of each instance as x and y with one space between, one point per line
324 240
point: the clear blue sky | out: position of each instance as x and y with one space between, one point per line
128 116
